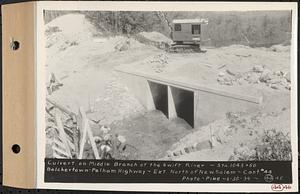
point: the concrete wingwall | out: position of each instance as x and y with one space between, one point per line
211 106
140 88
196 106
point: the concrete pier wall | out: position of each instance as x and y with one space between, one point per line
198 106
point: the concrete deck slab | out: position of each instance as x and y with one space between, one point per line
190 86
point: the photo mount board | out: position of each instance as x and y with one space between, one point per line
20 22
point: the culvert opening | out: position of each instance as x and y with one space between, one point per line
160 96
184 104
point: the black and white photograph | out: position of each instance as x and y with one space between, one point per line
168 85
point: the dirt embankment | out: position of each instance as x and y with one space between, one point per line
235 137
84 65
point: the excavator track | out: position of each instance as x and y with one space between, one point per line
175 48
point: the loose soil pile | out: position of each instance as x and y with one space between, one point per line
156 37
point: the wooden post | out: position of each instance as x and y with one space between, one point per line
84 131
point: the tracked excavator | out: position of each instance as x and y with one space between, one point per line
185 33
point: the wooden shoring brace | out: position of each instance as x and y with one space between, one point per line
85 131
62 132
74 119
60 107
76 134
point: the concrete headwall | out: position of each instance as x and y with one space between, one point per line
198 106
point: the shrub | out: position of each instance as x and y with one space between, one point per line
273 145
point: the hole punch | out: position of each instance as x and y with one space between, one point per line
14 45
16 148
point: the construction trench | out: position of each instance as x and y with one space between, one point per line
197 105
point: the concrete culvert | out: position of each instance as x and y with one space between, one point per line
160 96
184 104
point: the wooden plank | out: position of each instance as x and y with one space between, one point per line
87 131
92 141
62 133
18 22
82 130
55 155
60 151
58 142
72 146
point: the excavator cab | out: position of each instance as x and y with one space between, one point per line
186 34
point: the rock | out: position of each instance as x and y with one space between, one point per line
279 73
243 150
105 148
220 79
124 47
266 75
203 145
177 153
274 86
214 142
97 139
238 75
253 78
258 68
241 81
225 80
228 81
287 76
186 150
105 129
231 72
221 74
107 137
275 80
121 138
189 149
169 154
251 132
